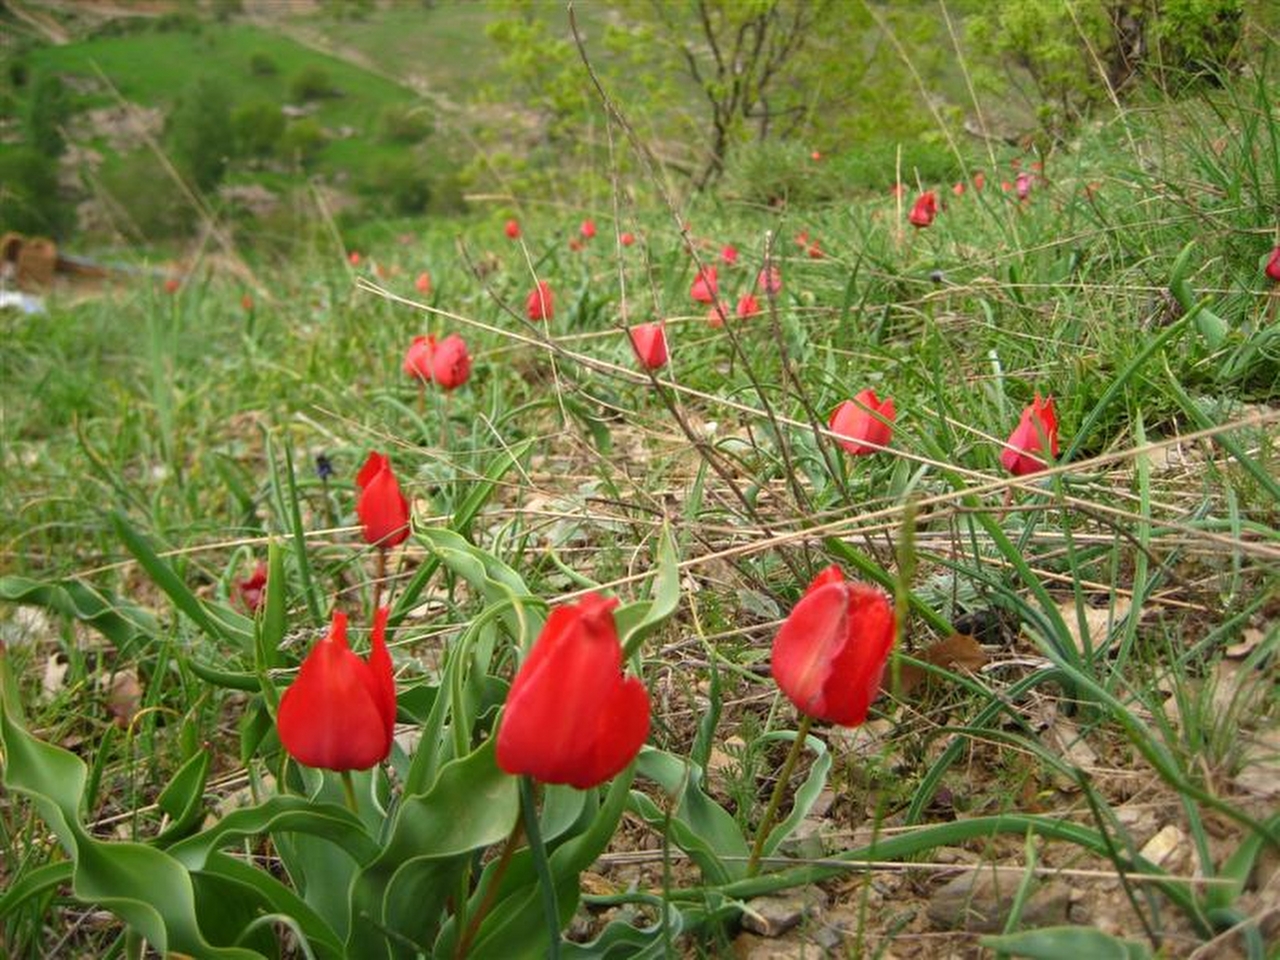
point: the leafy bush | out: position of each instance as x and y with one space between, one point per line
29 200
146 193
874 166
48 112
262 64
200 133
399 185
404 123
312 83
302 142
775 171
258 127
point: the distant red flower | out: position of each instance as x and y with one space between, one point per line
452 364
172 285
802 238
717 314
769 281
1037 166
354 258
649 340
859 428
979 180
897 190
1273 265
512 229
571 715
340 713
815 156
540 305
705 285
588 229
576 245
814 251
420 357
246 303
1022 183
251 591
381 507
626 239
729 254
830 653
423 283
1006 186
958 189
924 209
748 306
1038 426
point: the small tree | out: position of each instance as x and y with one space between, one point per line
311 83
200 133
302 142
258 127
48 113
29 199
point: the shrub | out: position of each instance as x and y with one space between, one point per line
146 193
262 65
777 171
399 185
258 127
404 123
49 111
200 134
29 199
312 83
302 142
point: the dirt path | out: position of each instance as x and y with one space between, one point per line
49 28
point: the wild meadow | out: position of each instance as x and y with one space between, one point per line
648 572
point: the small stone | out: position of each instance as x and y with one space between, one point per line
773 916
980 900
1161 848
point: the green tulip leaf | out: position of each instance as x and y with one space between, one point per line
34 883
1067 943
638 620
183 798
807 794
120 621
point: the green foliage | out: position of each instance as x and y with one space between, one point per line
302 142
48 112
403 123
399 185
29 198
1195 39
312 82
200 133
258 127
262 64
154 207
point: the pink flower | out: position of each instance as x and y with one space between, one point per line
539 304
251 592
420 357
979 180
452 364
649 340
512 229
1022 183
423 283
864 424
729 255
924 210
748 306
769 281
626 239
958 189
1038 426
717 314
704 285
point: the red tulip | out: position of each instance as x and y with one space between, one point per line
571 716
172 285
815 251
704 286
924 210
1273 265
958 189
341 711
540 305
728 254
626 239
860 430
512 230
815 156
419 358
829 655
1022 183
246 303
979 180
649 340
770 281
1006 186
452 364
423 283
588 229
251 591
1039 424
354 258
748 306
717 314
802 238
382 508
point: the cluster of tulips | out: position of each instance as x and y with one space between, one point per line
926 206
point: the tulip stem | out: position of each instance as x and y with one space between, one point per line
771 811
546 883
491 892
349 791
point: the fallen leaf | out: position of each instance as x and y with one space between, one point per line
1250 638
1099 621
124 695
959 652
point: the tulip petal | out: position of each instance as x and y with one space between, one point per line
807 645
621 729
854 680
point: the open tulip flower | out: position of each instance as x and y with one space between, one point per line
341 711
540 305
705 286
649 340
451 365
1038 426
864 424
419 358
571 716
924 209
382 508
1273 265
829 655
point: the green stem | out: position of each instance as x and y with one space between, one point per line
349 791
546 883
766 824
491 892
